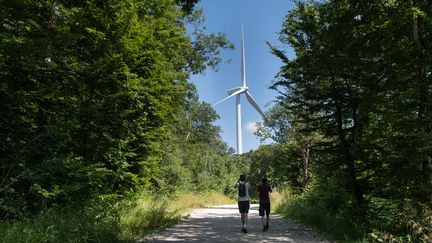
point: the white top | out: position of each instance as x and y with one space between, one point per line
248 186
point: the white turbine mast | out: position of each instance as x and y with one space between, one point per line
237 91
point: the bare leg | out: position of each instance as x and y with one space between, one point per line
244 219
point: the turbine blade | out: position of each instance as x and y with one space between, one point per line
243 64
233 94
254 104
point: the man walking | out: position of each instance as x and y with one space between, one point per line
243 200
264 203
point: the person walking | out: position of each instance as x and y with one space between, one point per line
243 200
264 203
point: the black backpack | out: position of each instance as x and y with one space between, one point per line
242 189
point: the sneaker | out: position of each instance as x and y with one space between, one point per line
264 228
243 230
267 227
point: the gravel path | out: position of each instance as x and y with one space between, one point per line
222 224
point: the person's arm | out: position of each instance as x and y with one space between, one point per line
237 184
270 190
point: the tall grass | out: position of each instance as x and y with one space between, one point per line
333 217
416 222
107 219
67 225
187 200
336 225
152 213
276 199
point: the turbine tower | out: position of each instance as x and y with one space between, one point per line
237 91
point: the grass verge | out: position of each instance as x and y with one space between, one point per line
337 225
107 219
152 213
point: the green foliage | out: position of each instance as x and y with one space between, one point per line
324 207
278 163
411 223
360 87
107 218
95 104
293 159
195 158
198 166
187 5
96 222
205 47
145 215
89 92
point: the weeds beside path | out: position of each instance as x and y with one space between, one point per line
107 219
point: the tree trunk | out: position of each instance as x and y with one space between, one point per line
350 152
306 161
424 108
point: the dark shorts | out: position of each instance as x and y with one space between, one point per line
243 206
264 207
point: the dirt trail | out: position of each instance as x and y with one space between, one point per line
222 224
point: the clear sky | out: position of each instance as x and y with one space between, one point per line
262 20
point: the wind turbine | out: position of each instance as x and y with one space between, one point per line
237 91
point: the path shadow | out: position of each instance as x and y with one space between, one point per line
222 224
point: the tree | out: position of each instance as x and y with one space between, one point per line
195 157
293 136
88 93
358 80
422 57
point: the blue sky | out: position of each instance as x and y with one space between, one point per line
262 20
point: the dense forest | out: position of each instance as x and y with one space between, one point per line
354 117
98 117
92 95
96 105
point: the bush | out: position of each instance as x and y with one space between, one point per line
413 223
153 212
323 207
107 218
66 225
147 214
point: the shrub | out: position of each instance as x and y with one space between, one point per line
415 221
325 208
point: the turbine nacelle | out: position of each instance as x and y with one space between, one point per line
233 90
